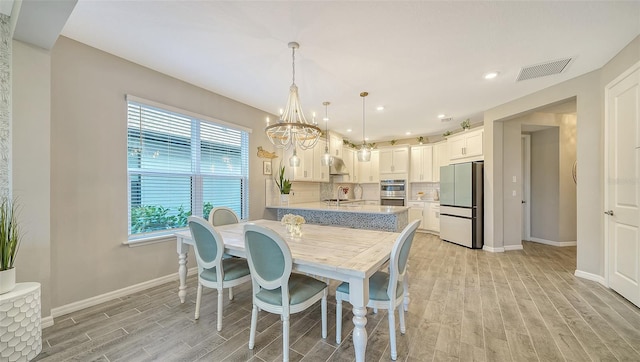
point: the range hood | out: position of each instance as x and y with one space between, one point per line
337 167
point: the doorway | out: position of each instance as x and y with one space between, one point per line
526 187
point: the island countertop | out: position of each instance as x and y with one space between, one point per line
348 206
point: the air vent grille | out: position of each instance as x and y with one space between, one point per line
447 119
543 70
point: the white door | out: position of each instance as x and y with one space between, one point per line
622 189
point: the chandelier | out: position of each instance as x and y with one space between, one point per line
364 153
292 128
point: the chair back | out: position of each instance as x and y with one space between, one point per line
400 256
208 245
269 258
222 216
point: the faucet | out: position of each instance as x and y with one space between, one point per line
340 192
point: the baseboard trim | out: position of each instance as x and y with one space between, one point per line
90 302
553 243
46 322
513 247
590 276
491 249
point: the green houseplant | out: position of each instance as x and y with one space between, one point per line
466 124
284 185
9 244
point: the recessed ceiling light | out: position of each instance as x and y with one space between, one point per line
408 133
441 116
366 138
380 108
490 75
349 130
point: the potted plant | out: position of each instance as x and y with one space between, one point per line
9 244
284 185
466 124
421 140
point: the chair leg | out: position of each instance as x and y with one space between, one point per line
254 324
392 333
375 310
338 319
220 302
403 328
198 297
230 293
285 338
323 307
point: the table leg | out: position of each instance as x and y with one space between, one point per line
359 297
183 250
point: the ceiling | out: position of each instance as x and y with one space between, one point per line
418 59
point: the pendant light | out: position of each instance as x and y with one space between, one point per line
327 160
292 128
294 160
364 153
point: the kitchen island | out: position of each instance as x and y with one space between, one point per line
349 214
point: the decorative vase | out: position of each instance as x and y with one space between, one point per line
7 280
284 199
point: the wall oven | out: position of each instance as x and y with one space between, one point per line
393 192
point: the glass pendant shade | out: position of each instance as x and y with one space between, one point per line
364 153
294 160
326 160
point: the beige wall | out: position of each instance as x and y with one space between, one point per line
545 185
589 92
31 171
89 172
512 161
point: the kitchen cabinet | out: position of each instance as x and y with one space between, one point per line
440 158
335 145
421 169
369 172
310 168
394 160
416 212
466 146
350 161
432 216
320 172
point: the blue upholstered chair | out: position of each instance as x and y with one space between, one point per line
386 289
214 271
275 288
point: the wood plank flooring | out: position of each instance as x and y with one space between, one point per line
466 305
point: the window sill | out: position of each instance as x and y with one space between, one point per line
152 239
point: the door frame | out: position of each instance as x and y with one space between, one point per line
526 182
607 242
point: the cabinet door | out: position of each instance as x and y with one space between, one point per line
440 158
401 160
427 164
416 211
456 147
374 166
347 157
320 172
307 164
386 161
335 143
473 145
417 162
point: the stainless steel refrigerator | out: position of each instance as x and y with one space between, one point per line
461 201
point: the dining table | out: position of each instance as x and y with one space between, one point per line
339 253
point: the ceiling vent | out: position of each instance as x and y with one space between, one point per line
448 119
544 69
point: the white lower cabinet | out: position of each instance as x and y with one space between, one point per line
432 216
416 212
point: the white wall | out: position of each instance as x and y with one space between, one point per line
588 90
89 171
31 157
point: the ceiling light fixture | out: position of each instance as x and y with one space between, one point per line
364 153
441 116
349 129
292 128
327 160
380 108
490 75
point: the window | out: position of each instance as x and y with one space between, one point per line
181 164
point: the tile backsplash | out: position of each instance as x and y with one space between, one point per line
427 187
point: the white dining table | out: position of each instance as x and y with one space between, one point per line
345 254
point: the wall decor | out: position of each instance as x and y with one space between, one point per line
266 167
262 153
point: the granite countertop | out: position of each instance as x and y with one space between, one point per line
345 206
425 200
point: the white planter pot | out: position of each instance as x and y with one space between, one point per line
284 199
7 280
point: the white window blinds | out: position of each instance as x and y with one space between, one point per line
179 165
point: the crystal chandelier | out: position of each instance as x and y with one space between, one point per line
327 160
292 128
364 153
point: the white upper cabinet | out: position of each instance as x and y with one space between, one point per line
369 172
350 159
320 172
440 158
421 164
335 145
310 168
466 146
394 160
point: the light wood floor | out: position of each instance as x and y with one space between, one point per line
466 305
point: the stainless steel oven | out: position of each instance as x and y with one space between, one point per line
393 192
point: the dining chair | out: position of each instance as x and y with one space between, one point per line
214 271
275 288
222 216
386 289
